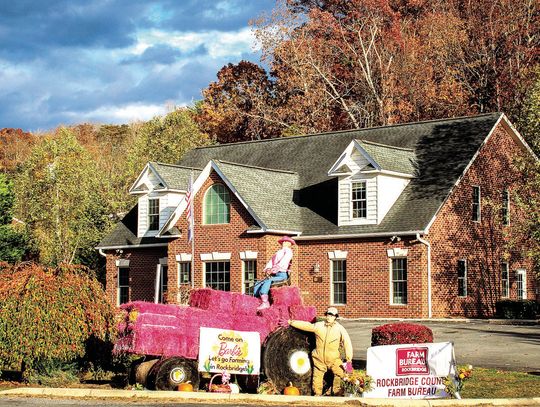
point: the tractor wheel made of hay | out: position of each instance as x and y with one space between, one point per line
286 359
139 369
168 373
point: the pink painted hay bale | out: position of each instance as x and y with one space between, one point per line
218 320
273 314
286 296
157 319
157 340
144 306
303 313
244 304
252 324
207 298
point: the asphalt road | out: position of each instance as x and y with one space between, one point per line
46 402
479 343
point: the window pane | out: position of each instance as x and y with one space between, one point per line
476 204
184 273
399 281
462 278
505 207
163 286
339 281
217 205
359 200
123 285
505 286
250 271
153 214
217 275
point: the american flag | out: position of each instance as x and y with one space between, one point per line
189 216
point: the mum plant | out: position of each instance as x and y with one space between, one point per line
356 383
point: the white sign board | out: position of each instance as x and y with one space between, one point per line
236 352
410 371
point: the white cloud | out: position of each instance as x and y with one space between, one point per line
122 114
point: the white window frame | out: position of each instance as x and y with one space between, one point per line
206 262
153 214
478 204
464 278
391 290
179 265
358 181
119 287
505 282
521 274
244 261
334 259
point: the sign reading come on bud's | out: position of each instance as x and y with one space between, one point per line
236 352
410 371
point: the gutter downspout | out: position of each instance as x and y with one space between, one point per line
102 252
428 245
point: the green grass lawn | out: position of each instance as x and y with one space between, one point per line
495 384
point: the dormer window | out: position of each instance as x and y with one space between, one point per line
153 214
359 200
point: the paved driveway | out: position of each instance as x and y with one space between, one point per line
479 343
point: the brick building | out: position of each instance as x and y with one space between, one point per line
404 221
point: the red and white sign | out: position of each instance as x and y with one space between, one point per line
410 371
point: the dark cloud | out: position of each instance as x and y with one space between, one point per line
164 54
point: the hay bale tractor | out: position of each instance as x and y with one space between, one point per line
167 337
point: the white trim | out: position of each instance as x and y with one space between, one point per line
391 290
363 219
397 252
146 167
122 262
135 246
331 268
507 286
523 273
248 255
429 293
479 220
243 279
361 235
164 261
215 256
183 257
338 255
274 231
366 155
118 284
203 217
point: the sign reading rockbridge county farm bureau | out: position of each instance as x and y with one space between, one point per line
236 352
410 371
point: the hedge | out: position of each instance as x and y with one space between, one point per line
517 309
400 333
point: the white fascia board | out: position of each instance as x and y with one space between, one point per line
238 196
397 174
146 168
344 155
361 235
175 215
518 136
133 246
274 231
430 223
366 155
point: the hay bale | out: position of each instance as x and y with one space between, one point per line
286 296
209 299
244 304
253 324
144 307
273 314
303 313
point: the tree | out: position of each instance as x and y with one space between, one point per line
50 315
164 139
15 146
58 198
529 121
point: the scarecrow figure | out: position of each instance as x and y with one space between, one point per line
277 269
329 335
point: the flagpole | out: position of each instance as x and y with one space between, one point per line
192 226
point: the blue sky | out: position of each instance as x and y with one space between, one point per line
115 61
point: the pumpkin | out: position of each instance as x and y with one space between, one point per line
187 386
290 390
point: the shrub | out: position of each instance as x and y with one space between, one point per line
48 315
513 309
400 333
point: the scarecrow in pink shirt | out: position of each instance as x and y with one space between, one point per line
277 269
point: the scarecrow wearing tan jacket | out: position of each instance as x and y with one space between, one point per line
329 335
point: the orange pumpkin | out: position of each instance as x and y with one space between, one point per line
187 386
290 390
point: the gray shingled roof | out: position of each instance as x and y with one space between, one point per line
302 196
175 176
390 158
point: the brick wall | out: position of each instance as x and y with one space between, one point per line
483 244
142 272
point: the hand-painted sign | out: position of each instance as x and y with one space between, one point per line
232 351
410 371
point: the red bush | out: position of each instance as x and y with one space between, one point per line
400 333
